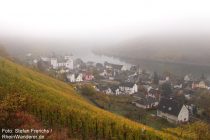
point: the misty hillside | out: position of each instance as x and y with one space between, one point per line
190 50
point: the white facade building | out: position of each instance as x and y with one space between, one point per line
54 63
128 88
45 59
71 78
79 78
187 78
68 63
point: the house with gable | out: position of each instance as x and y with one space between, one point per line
67 62
170 110
71 77
187 78
79 77
125 68
88 76
163 80
115 90
103 73
54 63
155 93
114 67
133 78
201 84
46 59
178 84
147 102
128 88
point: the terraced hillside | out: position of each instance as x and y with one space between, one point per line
56 105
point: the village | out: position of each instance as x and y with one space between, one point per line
170 96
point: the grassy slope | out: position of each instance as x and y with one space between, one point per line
47 94
122 105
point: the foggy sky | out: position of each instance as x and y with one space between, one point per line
108 20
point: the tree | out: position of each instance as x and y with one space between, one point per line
41 66
87 90
203 77
203 101
166 89
156 78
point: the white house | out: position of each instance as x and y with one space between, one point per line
35 61
114 67
115 90
45 59
167 78
79 78
71 77
178 86
104 73
172 111
108 91
162 81
54 63
201 84
125 67
187 78
67 63
187 96
128 88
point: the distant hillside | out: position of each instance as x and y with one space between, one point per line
179 55
48 103
176 49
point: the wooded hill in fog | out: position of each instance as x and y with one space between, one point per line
190 50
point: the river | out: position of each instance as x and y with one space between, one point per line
90 56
